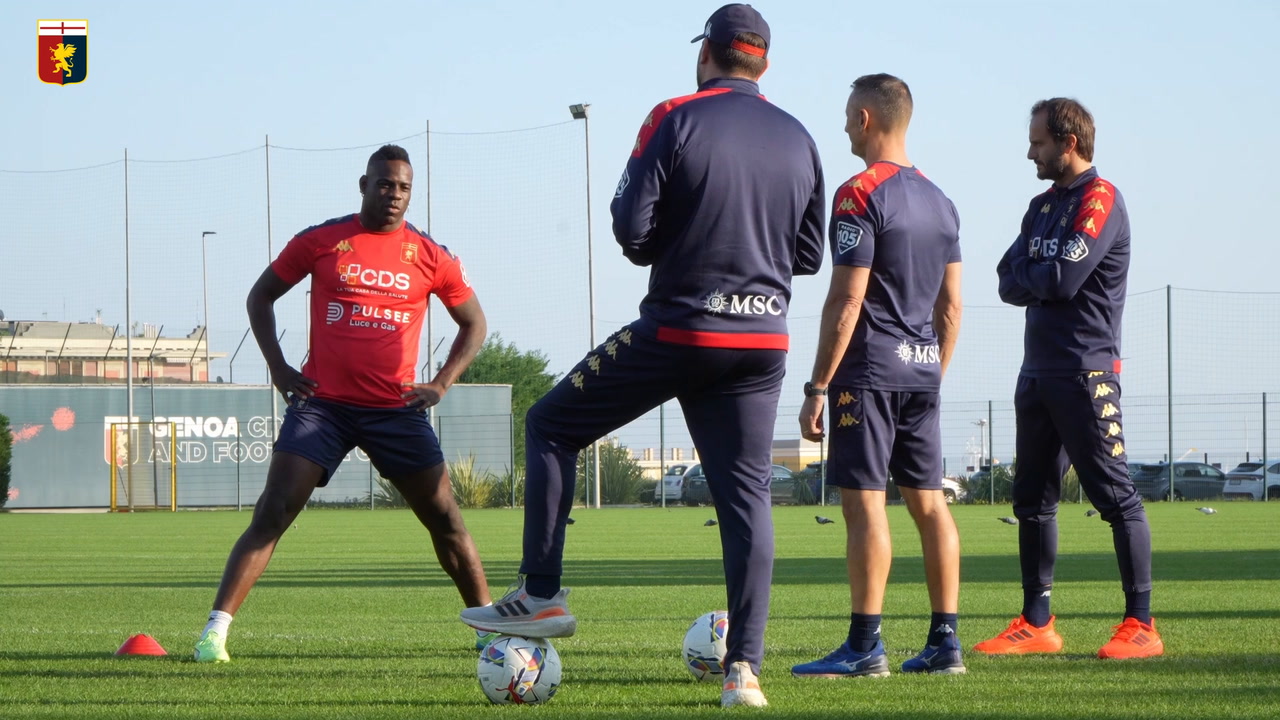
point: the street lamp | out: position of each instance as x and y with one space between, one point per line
579 112
982 427
204 281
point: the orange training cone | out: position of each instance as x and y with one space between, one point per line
140 645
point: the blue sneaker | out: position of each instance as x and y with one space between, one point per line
944 659
844 662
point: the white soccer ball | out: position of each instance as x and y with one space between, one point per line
519 671
704 646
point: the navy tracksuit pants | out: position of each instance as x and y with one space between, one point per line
1075 420
730 402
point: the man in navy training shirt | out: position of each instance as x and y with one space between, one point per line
888 330
1068 268
723 199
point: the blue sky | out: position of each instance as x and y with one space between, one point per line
1184 98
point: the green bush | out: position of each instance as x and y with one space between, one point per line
502 495
980 483
386 494
1071 487
621 477
472 488
6 453
801 492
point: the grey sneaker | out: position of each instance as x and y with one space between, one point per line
741 687
517 613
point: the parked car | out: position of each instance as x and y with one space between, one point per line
1191 481
954 490
1245 481
695 487
673 484
781 487
812 475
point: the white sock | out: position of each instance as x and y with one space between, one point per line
218 622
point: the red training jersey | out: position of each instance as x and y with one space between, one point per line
369 292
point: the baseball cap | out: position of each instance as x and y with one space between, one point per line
725 24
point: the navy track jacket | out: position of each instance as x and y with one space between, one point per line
1069 267
723 197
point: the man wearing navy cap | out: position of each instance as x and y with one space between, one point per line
723 199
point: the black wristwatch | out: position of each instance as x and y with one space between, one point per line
811 391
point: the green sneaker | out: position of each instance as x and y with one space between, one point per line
484 638
212 648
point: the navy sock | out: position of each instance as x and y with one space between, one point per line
864 632
1138 605
942 626
542 586
1035 605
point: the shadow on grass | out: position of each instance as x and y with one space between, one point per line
1198 566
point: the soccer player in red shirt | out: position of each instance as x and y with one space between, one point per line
371 275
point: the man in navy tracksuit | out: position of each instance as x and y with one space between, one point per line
723 198
1068 267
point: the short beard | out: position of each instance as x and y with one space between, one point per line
1054 170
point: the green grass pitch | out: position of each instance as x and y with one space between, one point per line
354 619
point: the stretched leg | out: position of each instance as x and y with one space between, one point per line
625 377
731 422
314 438
430 496
621 380
404 448
290 482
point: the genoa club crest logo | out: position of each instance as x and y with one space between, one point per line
62 48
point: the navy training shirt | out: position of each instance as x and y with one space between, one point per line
1069 267
723 196
895 221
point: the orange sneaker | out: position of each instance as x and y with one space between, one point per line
1021 637
1133 639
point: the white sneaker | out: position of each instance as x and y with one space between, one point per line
741 687
518 613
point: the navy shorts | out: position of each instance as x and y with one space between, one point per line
399 441
878 433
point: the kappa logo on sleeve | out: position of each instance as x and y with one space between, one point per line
848 236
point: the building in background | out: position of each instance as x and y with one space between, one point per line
794 454
58 352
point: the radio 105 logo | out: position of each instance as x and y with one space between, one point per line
62 50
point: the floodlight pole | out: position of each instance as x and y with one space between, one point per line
204 282
580 112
